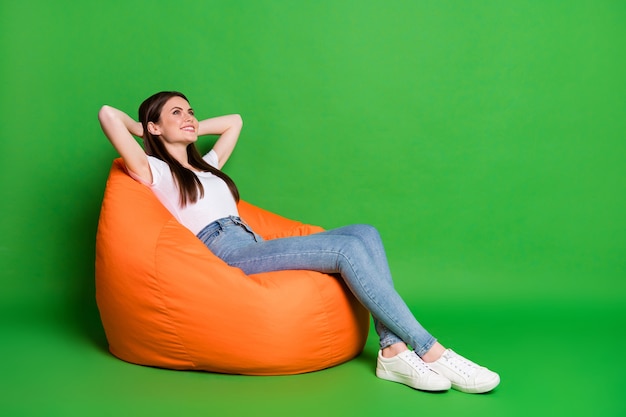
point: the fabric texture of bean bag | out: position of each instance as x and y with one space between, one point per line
166 301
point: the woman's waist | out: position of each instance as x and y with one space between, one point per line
220 224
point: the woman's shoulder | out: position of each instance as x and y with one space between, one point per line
160 169
157 163
211 158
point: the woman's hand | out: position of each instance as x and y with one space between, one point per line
229 128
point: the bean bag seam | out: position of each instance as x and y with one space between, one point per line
325 311
157 276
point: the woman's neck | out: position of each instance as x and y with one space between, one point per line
180 154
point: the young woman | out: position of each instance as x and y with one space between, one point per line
204 199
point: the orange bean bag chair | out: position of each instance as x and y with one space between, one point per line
166 301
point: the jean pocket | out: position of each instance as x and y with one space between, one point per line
210 238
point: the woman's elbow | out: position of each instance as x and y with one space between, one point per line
105 113
237 120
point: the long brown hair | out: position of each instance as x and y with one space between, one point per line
189 185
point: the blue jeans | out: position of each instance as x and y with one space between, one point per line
355 252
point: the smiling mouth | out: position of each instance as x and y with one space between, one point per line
188 129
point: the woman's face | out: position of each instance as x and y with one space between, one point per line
177 123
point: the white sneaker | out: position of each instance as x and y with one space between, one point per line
464 374
409 369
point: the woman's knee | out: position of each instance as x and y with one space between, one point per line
358 230
368 233
359 236
360 244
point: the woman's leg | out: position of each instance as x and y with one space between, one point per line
355 252
399 365
373 244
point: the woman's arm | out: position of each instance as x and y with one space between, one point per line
119 128
228 127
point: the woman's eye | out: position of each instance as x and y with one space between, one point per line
176 112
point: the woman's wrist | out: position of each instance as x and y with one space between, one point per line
219 125
135 128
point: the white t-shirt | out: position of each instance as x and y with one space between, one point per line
218 202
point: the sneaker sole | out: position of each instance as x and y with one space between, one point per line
393 377
481 389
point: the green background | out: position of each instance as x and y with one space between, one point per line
485 140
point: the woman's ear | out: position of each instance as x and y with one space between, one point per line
154 129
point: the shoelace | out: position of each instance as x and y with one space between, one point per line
417 363
464 366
